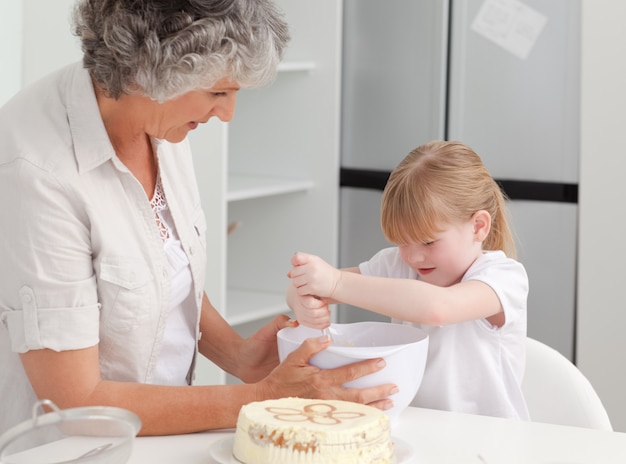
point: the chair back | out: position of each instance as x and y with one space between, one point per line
557 392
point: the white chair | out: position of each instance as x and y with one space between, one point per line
557 392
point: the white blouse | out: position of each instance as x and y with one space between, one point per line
179 343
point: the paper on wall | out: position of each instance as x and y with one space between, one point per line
510 24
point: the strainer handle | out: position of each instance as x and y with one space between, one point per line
41 404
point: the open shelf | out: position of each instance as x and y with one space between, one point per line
243 187
248 305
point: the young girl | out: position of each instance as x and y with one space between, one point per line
451 273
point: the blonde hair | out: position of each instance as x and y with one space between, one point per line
443 183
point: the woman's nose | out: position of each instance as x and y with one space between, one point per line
225 109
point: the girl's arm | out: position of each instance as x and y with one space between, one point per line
405 299
417 301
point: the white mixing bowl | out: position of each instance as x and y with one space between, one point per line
403 347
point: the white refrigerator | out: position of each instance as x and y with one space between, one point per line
503 77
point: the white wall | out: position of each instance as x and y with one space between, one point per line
601 343
47 38
10 48
35 39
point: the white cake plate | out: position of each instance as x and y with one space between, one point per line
222 451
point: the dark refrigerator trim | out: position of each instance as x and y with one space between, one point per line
514 189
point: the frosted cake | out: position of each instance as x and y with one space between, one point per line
296 430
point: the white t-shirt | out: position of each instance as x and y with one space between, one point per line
81 261
473 367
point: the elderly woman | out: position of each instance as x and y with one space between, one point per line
102 257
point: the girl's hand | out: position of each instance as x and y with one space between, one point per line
309 310
312 276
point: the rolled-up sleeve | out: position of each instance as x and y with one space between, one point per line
49 294
34 328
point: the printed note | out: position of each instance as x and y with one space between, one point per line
511 24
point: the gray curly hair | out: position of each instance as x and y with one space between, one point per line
165 48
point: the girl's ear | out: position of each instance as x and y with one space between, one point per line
482 225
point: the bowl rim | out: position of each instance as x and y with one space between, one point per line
357 351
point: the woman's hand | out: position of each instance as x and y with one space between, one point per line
258 354
296 377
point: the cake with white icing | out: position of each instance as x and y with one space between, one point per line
297 430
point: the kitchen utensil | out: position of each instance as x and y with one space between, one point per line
87 435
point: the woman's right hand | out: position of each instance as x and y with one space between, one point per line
296 377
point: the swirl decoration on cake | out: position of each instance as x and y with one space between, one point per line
318 413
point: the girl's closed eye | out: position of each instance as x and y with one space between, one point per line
428 242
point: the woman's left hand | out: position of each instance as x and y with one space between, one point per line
258 354
249 359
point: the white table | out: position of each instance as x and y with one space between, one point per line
438 437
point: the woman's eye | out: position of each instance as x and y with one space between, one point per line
218 94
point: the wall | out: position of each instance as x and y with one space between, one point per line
10 48
47 39
35 39
601 343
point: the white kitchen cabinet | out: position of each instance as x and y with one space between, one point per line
273 171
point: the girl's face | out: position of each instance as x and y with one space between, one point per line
444 261
174 119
